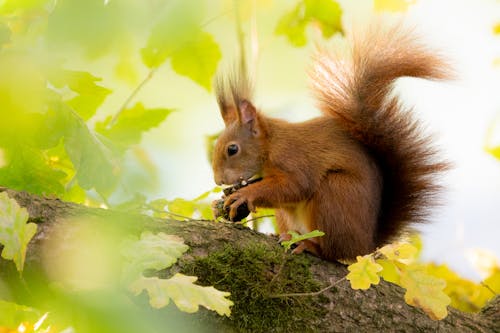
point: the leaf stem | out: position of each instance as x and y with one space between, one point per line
489 288
316 293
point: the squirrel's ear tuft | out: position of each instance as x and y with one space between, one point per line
224 99
233 90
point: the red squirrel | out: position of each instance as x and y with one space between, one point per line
362 172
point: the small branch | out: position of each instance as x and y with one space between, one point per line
278 273
131 96
316 293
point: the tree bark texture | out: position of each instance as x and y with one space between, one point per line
259 275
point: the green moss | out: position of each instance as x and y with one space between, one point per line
252 274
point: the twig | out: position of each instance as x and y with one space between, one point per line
131 96
185 218
316 293
278 273
258 217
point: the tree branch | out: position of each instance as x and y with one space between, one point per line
251 266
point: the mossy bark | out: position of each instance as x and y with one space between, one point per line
255 269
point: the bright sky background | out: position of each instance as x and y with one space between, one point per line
460 113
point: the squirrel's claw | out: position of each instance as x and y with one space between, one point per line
309 246
234 201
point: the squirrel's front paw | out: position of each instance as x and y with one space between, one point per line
239 206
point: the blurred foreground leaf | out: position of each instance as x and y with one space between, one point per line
28 169
325 14
158 252
185 294
198 59
90 94
96 164
179 36
393 5
12 314
151 252
15 233
466 295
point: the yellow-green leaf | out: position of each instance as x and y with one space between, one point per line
393 5
325 14
198 59
12 314
466 295
131 124
364 272
15 233
90 94
297 238
182 207
186 295
402 252
425 291
390 271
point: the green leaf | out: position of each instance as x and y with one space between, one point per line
425 291
393 5
293 25
198 59
297 238
96 26
13 6
186 295
13 314
177 26
5 34
96 163
90 94
131 124
150 252
15 233
182 207
364 272
326 14
178 37
29 169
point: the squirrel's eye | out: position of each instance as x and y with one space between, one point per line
232 149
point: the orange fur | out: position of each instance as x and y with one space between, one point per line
361 173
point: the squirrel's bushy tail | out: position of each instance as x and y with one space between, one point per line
357 92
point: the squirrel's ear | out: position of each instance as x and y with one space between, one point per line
247 112
248 116
229 114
